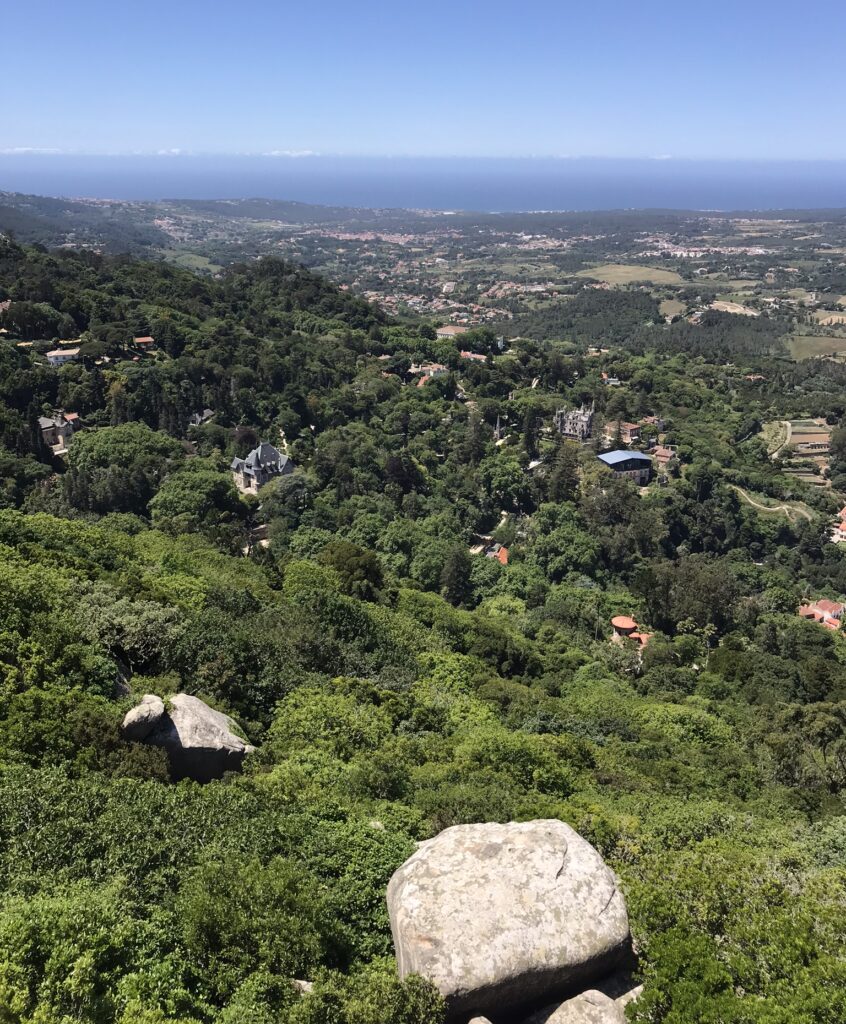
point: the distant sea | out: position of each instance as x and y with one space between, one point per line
438 183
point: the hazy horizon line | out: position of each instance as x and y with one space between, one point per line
307 154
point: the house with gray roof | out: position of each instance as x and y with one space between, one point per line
58 429
575 424
262 464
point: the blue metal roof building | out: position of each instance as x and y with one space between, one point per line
615 458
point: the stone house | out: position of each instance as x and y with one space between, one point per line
261 465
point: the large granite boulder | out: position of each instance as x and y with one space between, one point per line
506 917
201 743
590 1007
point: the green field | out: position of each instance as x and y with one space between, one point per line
194 261
628 273
806 346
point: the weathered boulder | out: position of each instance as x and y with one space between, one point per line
590 1007
143 718
503 917
201 743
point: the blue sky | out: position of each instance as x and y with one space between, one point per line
745 79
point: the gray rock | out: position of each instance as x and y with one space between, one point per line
501 917
143 718
589 1007
620 987
200 742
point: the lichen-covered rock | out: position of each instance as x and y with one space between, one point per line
143 718
201 743
589 1007
501 917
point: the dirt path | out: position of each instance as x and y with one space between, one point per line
789 510
785 442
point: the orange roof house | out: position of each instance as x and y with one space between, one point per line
826 613
626 628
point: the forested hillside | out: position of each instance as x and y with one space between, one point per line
393 678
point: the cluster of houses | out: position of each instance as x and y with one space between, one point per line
826 613
577 425
69 351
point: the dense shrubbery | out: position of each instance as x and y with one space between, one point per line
394 684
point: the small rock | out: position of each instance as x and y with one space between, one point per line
143 718
620 987
305 988
589 1007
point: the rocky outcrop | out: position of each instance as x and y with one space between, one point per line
502 918
590 1007
201 743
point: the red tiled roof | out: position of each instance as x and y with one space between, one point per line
623 622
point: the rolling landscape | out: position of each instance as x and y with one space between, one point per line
341 477
422 513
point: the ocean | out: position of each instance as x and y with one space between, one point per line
438 183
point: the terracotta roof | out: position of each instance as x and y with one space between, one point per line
623 622
829 607
146 340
